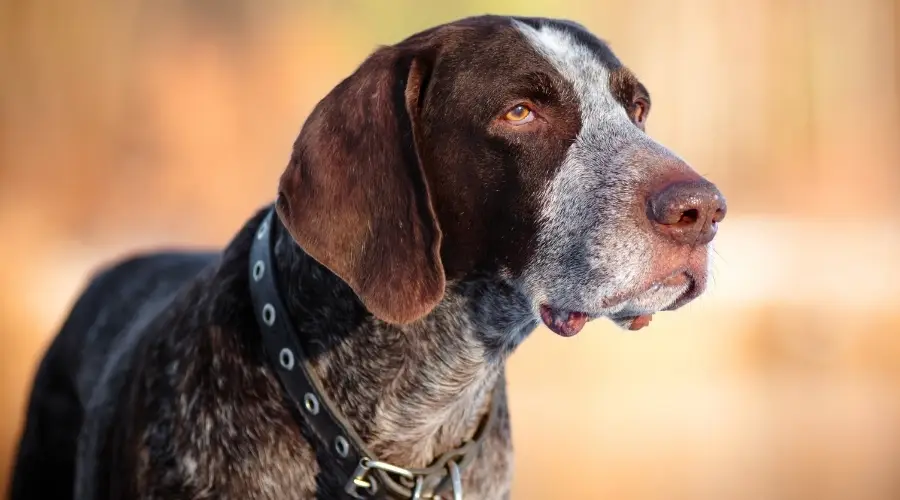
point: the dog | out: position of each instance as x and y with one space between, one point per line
457 190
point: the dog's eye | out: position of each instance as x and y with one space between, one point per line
519 115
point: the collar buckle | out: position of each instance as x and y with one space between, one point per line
362 479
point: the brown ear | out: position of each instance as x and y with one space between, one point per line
355 197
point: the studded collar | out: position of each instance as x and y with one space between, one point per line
364 476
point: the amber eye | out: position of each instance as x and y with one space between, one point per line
519 115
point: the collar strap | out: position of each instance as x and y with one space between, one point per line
364 475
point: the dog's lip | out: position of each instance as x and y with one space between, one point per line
680 277
633 323
569 322
694 289
563 322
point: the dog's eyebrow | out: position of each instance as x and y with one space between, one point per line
535 85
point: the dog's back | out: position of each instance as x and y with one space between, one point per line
116 298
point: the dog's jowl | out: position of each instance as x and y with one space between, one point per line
456 191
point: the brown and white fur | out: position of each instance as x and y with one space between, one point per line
458 189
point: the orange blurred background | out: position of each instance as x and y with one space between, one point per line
133 124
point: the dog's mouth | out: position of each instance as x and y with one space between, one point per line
629 312
568 323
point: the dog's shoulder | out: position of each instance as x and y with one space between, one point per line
116 292
100 342
207 403
190 395
119 298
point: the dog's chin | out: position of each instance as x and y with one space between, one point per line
638 312
632 312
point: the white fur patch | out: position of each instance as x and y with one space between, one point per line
591 248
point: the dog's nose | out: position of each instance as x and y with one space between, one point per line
688 211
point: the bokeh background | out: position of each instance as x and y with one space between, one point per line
135 124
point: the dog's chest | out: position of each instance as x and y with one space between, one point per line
230 434
249 452
233 438
244 469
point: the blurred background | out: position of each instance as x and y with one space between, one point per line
136 124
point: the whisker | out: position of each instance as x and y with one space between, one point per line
718 255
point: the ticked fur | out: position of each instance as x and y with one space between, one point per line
157 387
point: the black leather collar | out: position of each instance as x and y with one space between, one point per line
364 476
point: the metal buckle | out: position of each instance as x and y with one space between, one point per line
456 488
362 481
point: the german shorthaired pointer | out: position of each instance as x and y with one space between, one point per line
457 190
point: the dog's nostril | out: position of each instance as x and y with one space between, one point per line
719 215
689 217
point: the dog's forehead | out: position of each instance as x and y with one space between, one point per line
562 40
583 60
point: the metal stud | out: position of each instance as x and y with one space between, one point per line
341 446
311 403
286 358
263 229
258 269
268 314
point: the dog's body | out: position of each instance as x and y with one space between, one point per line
165 352
425 235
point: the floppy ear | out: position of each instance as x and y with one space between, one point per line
355 197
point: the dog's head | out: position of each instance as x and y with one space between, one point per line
510 147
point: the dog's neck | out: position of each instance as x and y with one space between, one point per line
411 392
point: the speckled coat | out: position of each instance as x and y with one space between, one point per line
458 189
